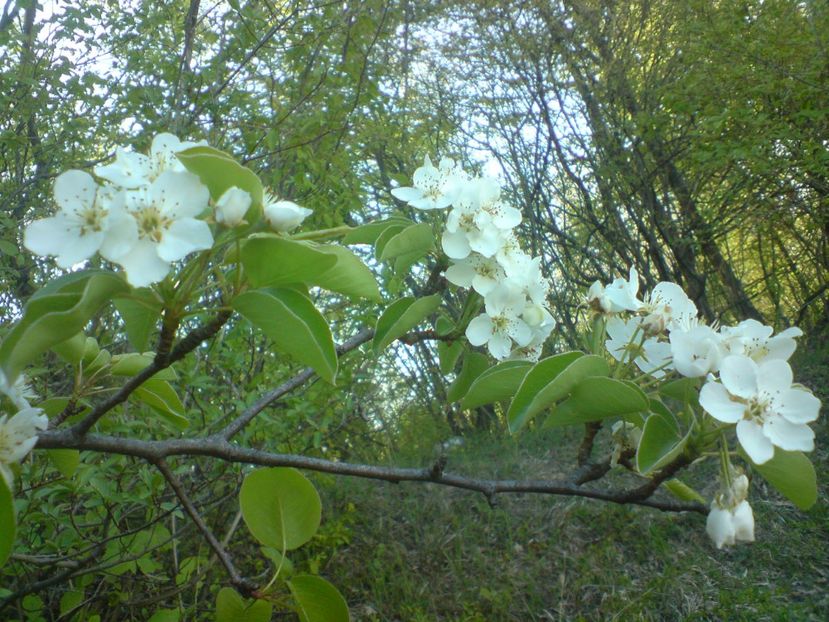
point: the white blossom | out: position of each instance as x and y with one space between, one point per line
132 170
617 297
480 273
88 215
628 339
232 206
754 339
668 308
165 216
731 519
761 400
697 351
432 187
284 215
18 436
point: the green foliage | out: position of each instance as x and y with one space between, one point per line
660 444
793 475
317 600
7 522
499 382
220 172
294 324
56 315
231 607
272 261
400 317
280 507
474 364
550 380
162 398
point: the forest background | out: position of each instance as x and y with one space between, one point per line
688 139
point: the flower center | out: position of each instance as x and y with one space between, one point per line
151 224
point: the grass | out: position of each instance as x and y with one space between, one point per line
426 553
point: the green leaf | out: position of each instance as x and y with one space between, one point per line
682 491
792 474
53 318
660 444
349 276
132 363
368 233
65 460
474 364
599 397
499 382
415 240
400 317
281 507
69 601
685 390
162 398
387 234
231 607
549 381
448 355
317 600
140 314
7 524
72 349
165 615
294 324
219 171
271 261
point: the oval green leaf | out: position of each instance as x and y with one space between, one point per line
163 399
231 607
219 171
271 261
368 233
400 317
474 364
497 383
415 240
53 318
349 276
317 600
792 474
550 380
294 324
660 444
280 507
599 398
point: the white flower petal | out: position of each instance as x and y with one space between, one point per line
455 245
739 375
461 274
129 170
719 527
74 191
717 402
758 447
499 346
179 194
407 194
743 522
774 376
798 406
121 235
184 236
789 436
143 265
479 330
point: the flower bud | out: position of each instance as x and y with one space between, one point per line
285 215
232 207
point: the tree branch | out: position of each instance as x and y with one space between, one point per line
219 447
244 585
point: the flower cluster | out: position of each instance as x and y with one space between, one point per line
487 257
18 434
749 381
145 213
731 519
